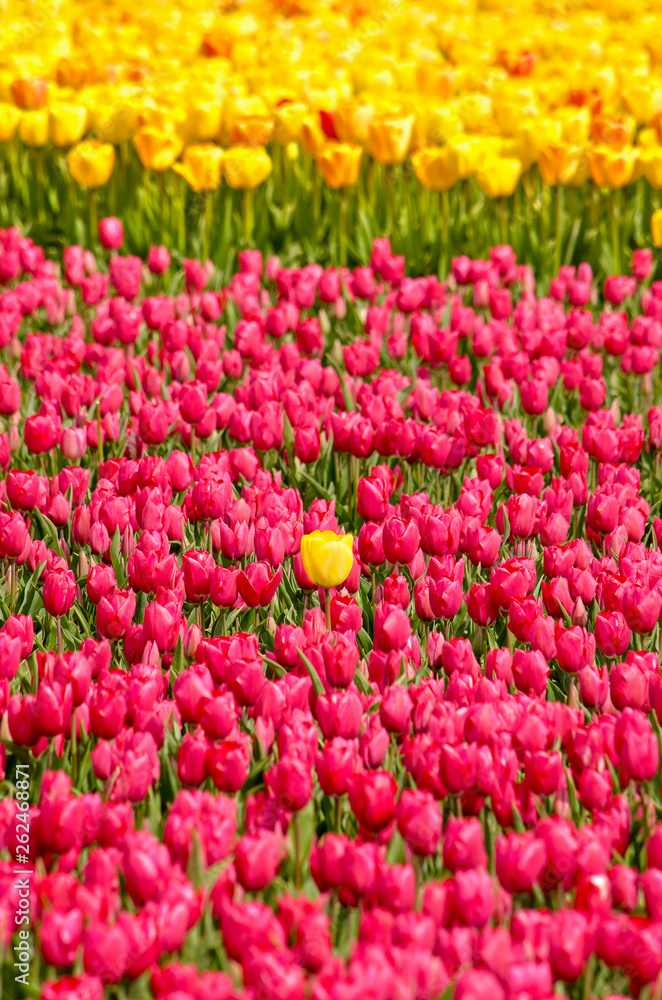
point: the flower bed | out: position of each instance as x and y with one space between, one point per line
245 753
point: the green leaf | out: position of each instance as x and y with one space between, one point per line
194 869
566 617
50 531
314 676
115 549
178 658
362 683
575 808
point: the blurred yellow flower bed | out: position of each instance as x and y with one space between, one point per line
465 88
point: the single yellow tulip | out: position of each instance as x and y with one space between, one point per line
648 138
246 120
33 128
311 137
201 168
30 93
73 72
575 124
9 119
651 163
440 124
558 162
66 124
161 117
114 122
352 121
327 558
91 163
611 168
498 176
644 100
245 167
288 120
467 152
532 135
253 130
617 133
435 168
389 138
656 227
339 164
157 149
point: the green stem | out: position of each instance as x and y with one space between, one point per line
207 227
615 220
93 218
297 852
39 179
99 436
327 608
503 219
558 222
247 209
389 194
444 212
317 196
13 569
342 226
60 647
74 746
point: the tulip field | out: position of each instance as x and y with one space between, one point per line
330 500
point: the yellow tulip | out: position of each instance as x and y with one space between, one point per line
475 111
245 167
611 168
389 138
114 121
615 132
648 138
246 120
352 121
498 176
73 72
66 124
161 117
440 124
311 137
339 164
30 93
558 162
651 165
438 79
201 168
33 128
468 152
91 163
435 168
532 135
644 101
9 119
204 116
157 149
575 125
656 227
253 130
327 558
288 120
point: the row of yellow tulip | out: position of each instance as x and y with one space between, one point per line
438 168
259 71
